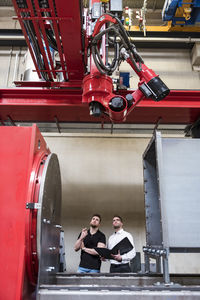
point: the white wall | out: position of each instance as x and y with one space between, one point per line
11 65
100 175
104 174
6 18
173 66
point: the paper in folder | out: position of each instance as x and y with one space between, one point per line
124 246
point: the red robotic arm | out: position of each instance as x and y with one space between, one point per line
98 85
48 27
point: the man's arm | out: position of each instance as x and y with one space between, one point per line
92 251
79 243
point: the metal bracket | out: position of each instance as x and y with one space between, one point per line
32 205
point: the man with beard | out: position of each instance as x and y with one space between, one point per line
87 241
120 263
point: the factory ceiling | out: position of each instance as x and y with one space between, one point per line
151 4
137 4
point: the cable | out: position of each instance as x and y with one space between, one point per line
30 31
119 31
32 36
105 69
51 39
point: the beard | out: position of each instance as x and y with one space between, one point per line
116 226
93 226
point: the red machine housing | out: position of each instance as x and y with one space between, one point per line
23 152
99 88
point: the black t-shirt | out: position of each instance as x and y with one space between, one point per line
90 241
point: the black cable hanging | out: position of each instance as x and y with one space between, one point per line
32 36
119 31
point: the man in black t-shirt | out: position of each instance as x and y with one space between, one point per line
87 241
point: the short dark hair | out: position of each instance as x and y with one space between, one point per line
116 216
97 215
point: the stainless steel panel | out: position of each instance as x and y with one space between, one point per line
120 286
181 192
48 221
152 208
122 280
139 295
172 192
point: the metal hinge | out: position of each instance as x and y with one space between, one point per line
33 205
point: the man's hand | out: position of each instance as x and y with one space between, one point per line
117 257
79 243
83 233
102 258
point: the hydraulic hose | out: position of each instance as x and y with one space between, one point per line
119 31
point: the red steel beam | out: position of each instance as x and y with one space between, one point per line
71 35
58 40
42 27
180 107
39 39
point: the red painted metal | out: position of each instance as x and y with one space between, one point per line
66 105
98 87
19 14
145 74
58 40
21 154
39 23
179 107
49 84
42 26
101 21
66 20
71 36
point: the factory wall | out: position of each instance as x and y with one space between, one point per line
12 62
173 66
104 174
